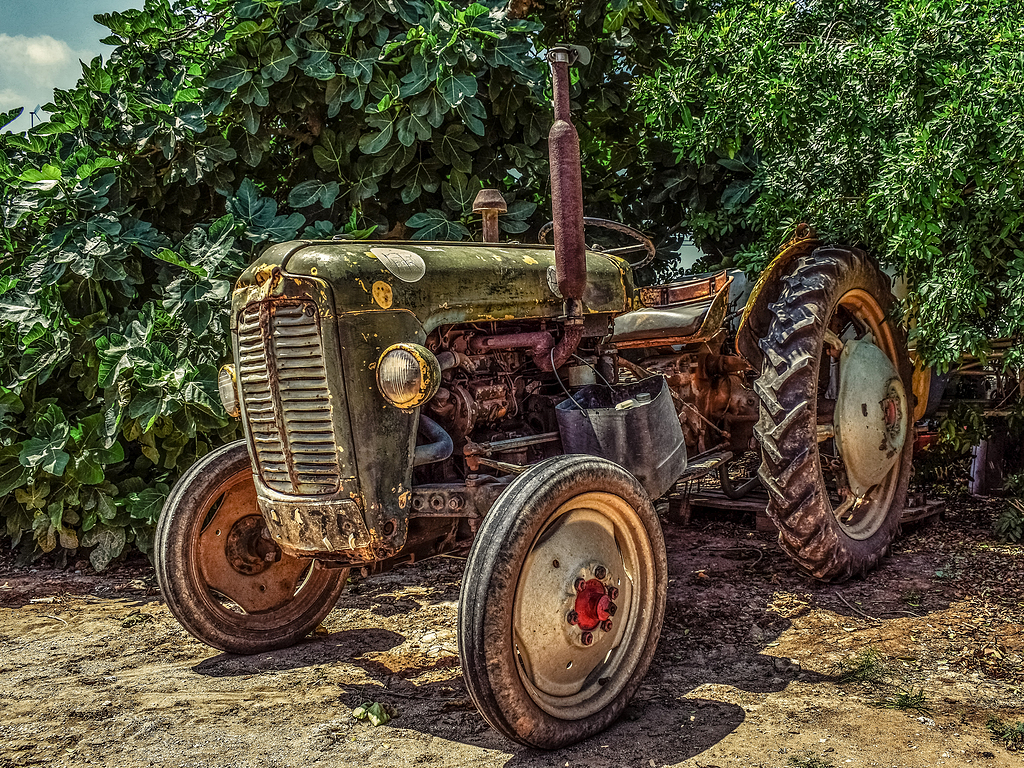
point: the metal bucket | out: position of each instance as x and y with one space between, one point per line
634 425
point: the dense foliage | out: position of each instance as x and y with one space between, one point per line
896 124
217 126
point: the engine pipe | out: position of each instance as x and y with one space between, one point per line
570 247
438 449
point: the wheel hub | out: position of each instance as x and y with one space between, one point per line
593 606
248 549
571 582
871 415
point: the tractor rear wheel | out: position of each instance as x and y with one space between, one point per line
834 415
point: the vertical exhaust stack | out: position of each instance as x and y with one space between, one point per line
566 207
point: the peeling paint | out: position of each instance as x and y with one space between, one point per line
382 294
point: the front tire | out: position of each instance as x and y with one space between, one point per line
834 423
219 572
570 545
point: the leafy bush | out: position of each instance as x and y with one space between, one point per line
897 125
219 126
1010 524
1010 735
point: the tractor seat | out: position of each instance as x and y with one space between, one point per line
672 311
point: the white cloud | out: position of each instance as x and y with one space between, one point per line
31 67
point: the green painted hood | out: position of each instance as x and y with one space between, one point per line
443 283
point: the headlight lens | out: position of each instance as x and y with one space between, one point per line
408 375
228 390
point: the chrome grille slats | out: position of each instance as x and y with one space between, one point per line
291 425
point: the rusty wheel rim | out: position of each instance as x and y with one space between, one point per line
241 571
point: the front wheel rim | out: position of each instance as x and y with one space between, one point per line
594 538
263 596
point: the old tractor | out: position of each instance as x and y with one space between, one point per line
528 402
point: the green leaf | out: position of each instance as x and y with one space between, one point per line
147 503
277 61
309 192
432 224
172 258
8 117
254 92
361 67
13 474
96 78
455 87
432 106
372 143
229 74
108 542
421 76
459 192
250 149
410 127
47 173
44 454
331 153
454 148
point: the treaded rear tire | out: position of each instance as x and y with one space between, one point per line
789 388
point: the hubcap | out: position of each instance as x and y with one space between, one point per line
870 423
576 617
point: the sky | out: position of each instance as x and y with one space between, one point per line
41 43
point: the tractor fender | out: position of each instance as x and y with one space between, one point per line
755 319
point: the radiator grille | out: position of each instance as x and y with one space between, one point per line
290 423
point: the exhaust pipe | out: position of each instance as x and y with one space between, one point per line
567 214
566 210
566 183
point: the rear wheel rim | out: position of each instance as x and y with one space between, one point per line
857 315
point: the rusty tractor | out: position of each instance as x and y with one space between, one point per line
527 402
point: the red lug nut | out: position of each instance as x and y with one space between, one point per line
606 625
587 638
572 617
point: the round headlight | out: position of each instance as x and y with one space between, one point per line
228 389
408 375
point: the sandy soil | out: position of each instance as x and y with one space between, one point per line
757 666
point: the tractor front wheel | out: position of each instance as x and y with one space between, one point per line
222 576
562 601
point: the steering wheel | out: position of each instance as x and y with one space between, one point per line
645 242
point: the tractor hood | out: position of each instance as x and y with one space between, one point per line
444 283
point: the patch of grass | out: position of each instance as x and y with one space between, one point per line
1010 735
906 700
135 618
809 762
913 598
866 667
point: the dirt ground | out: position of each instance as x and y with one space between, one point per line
757 666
